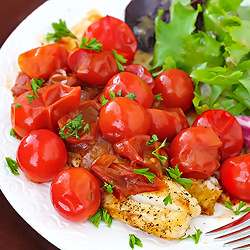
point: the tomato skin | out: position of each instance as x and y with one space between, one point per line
115 34
122 118
167 123
93 67
235 176
42 61
226 127
176 87
129 83
75 194
43 111
142 72
196 151
41 155
125 180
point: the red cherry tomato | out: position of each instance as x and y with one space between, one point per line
75 194
127 82
226 127
176 88
93 67
52 103
41 155
42 61
123 118
235 176
196 151
114 34
167 123
125 180
142 72
89 111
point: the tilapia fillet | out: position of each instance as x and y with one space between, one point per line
148 212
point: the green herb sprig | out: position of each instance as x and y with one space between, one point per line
196 236
133 240
13 166
101 214
143 171
239 208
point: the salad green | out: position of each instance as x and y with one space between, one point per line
217 57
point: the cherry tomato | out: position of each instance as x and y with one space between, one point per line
226 127
167 123
93 67
41 155
235 176
114 34
89 112
123 118
75 194
176 88
43 111
142 72
196 151
125 180
42 61
127 82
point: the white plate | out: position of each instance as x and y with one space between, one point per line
32 201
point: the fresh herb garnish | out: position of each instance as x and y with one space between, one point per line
143 171
131 96
133 240
119 59
160 157
167 200
119 93
61 30
73 128
17 106
12 132
158 97
13 166
175 174
112 94
104 100
101 214
92 45
196 236
36 84
239 209
109 187
151 141
30 98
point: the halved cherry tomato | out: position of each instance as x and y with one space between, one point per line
196 151
114 34
235 176
93 67
127 82
123 118
42 61
89 110
167 123
137 150
125 180
142 72
176 88
75 194
43 111
41 155
226 127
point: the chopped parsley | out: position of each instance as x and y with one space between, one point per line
151 141
13 166
239 209
104 100
175 174
30 98
12 132
17 106
158 97
101 214
143 171
36 84
119 59
92 45
167 200
160 157
109 187
196 236
60 30
131 96
133 240
112 94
